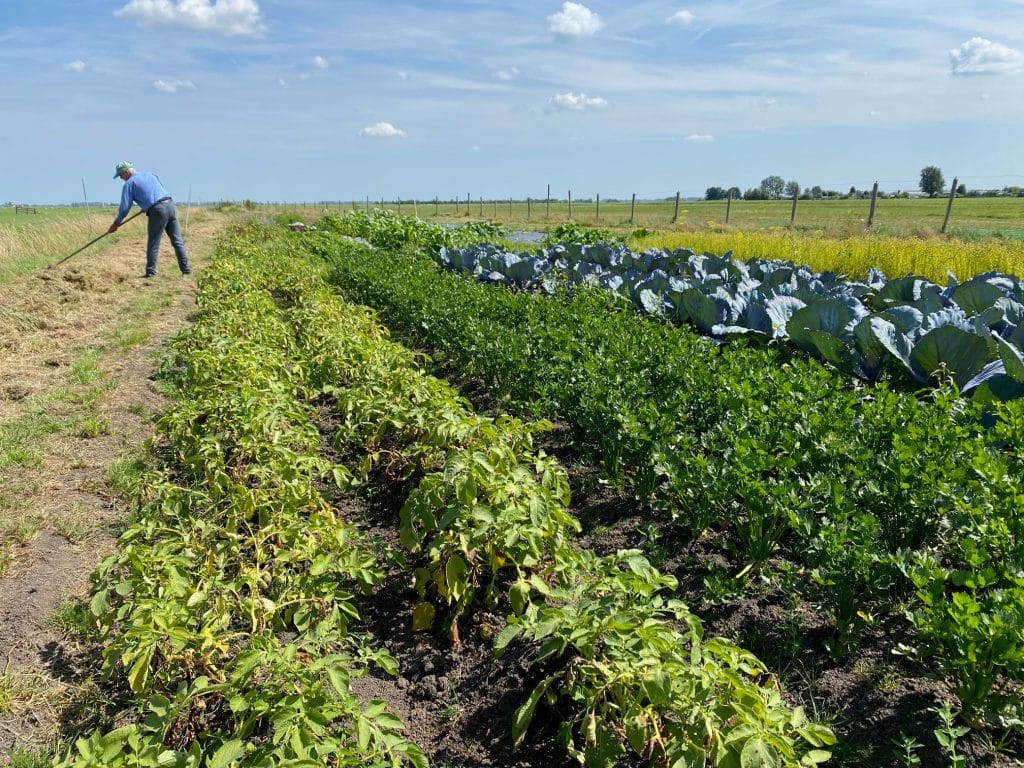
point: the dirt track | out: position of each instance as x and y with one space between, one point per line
50 319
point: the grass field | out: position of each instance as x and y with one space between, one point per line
971 218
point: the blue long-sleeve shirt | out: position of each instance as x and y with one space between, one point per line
143 189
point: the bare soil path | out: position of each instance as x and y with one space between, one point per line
77 346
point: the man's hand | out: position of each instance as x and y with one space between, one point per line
113 228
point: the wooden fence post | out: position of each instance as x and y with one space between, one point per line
435 205
632 208
792 213
510 207
527 209
675 216
874 199
949 205
570 205
547 209
467 203
597 214
728 205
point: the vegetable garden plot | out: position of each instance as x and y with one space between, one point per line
231 610
883 502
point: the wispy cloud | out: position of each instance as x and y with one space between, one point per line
576 102
701 138
511 73
382 130
75 66
173 86
979 56
224 17
575 20
320 62
681 18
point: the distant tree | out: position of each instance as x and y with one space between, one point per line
816 192
734 192
756 193
962 189
792 189
932 182
772 187
715 193
852 193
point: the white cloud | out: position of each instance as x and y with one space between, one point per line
320 62
507 74
703 138
577 103
75 66
403 75
386 130
979 56
574 19
173 86
225 17
682 18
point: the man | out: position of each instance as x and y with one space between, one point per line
146 191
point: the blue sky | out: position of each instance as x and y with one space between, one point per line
305 101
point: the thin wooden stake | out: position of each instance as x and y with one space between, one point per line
874 199
675 216
728 205
949 205
632 208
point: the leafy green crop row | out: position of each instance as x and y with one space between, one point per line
882 499
227 607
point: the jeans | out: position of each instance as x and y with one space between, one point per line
164 218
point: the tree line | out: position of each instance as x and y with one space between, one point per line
932 183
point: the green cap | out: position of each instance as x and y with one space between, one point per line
121 167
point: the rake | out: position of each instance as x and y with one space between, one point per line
51 266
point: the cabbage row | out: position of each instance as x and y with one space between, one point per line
910 326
